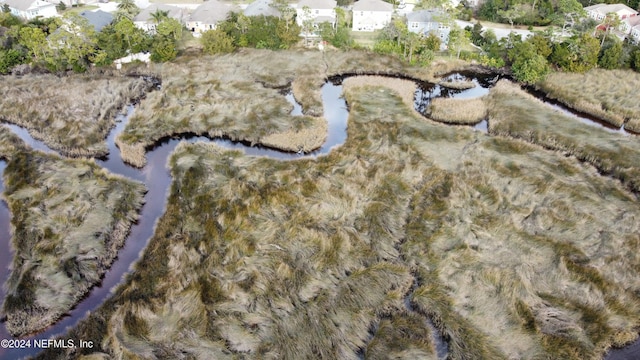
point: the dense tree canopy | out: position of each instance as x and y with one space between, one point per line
396 38
267 32
216 41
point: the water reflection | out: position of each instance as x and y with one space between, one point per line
482 126
5 250
630 352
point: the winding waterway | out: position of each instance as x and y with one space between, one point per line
157 180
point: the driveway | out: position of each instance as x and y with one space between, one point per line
500 32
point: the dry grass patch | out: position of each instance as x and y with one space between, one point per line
72 114
511 256
305 140
458 85
457 111
404 88
69 218
607 94
633 125
512 112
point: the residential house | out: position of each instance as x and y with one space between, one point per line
631 28
31 9
261 8
629 18
429 21
599 11
145 20
627 23
67 3
635 34
99 19
370 15
318 11
208 15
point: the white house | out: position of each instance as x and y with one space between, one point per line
318 11
429 21
599 11
67 3
631 28
635 34
627 23
370 15
208 15
31 9
145 21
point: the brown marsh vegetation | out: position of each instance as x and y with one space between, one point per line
72 114
512 250
611 95
514 113
237 96
458 84
457 111
69 218
10 144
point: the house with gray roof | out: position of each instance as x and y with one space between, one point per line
429 21
99 19
261 8
31 9
145 21
370 15
208 15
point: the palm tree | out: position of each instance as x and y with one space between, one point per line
128 9
158 15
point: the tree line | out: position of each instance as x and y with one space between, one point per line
532 58
70 42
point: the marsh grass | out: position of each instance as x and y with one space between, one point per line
633 125
404 88
493 266
514 113
402 335
304 140
72 114
510 247
457 111
10 144
69 218
236 96
607 94
458 85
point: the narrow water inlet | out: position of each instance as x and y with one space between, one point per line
441 345
5 249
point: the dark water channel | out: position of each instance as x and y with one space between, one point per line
157 180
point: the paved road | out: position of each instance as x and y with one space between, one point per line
500 32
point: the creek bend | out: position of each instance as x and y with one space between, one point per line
157 180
